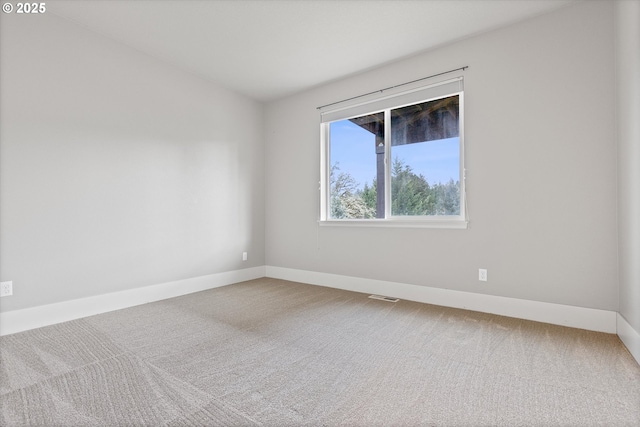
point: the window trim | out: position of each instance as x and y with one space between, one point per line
428 221
397 223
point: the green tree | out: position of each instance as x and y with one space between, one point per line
410 193
346 198
370 195
447 197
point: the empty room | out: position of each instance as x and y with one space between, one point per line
320 212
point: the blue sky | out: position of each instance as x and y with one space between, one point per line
354 149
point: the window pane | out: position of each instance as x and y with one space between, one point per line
425 153
355 166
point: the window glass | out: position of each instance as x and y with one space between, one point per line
353 166
403 162
425 154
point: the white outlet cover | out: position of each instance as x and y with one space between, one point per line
482 275
6 289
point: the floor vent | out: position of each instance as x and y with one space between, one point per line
382 298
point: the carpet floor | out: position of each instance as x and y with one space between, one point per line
277 353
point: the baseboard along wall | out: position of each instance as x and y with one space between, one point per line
629 336
558 314
565 315
15 321
576 317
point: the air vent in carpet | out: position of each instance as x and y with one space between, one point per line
382 298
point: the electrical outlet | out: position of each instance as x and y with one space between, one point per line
482 275
6 289
244 256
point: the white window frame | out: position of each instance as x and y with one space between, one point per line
391 102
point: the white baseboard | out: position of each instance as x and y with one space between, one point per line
565 315
629 336
558 314
44 315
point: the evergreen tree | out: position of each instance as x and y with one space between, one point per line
370 195
411 195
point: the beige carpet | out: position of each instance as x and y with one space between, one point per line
270 352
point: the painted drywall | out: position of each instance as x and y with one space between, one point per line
540 159
118 171
628 111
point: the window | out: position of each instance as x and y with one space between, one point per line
396 160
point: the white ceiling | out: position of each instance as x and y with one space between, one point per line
268 49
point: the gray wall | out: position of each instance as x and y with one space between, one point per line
117 170
628 78
541 169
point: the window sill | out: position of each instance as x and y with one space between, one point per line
397 223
